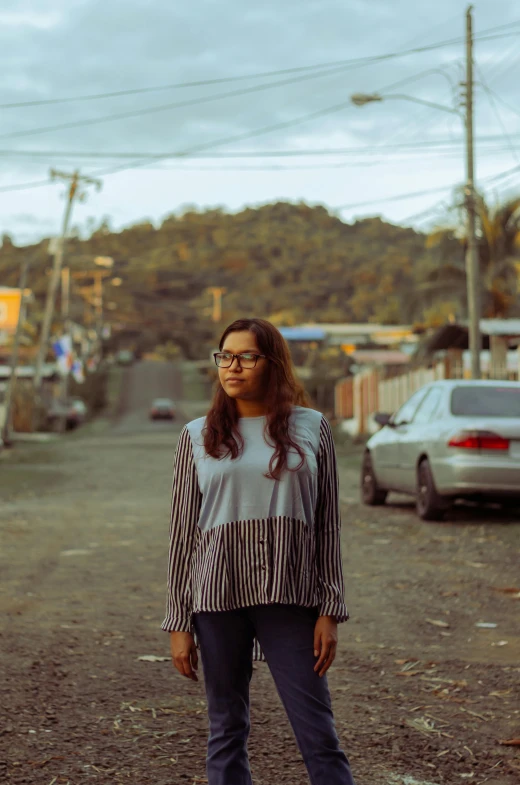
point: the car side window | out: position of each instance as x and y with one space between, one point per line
407 411
427 407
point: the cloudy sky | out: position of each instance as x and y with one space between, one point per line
270 117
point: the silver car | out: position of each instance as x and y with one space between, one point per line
450 440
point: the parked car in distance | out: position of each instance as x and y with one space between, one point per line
125 357
77 412
66 415
162 409
451 440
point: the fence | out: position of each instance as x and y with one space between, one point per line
358 398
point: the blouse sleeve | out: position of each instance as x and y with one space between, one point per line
328 530
185 510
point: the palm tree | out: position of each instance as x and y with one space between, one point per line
498 236
499 255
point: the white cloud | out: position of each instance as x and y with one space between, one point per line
39 20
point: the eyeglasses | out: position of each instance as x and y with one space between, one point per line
246 361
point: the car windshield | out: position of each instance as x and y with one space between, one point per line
162 402
485 401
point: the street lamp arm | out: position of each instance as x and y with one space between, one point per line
361 99
415 100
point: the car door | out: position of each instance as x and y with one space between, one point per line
387 452
416 437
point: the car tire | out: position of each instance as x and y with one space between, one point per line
430 505
511 504
371 493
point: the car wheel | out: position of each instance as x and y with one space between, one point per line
430 505
511 504
371 493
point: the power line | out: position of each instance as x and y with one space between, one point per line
395 197
435 207
502 101
501 175
353 62
426 192
240 137
166 107
195 102
235 138
491 100
199 148
505 26
394 85
95 154
24 186
254 133
496 63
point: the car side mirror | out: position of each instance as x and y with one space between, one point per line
383 419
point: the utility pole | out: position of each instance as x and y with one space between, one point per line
217 292
65 315
6 430
472 254
65 295
74 180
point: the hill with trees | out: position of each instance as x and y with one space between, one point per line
287 262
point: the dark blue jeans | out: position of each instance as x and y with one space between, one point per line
286 635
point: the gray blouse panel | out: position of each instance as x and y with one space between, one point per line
228 492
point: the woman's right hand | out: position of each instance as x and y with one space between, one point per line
184 654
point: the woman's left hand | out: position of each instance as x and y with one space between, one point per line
325 643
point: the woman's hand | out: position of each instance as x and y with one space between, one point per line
325 643
184 654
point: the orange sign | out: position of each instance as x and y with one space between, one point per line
10 300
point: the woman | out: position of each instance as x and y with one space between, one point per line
255 554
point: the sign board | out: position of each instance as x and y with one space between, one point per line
104 261
10 300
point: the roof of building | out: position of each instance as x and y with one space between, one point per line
455 336
379 357
506 327
364 328
27 371
303 333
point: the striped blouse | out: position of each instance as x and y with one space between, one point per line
238 538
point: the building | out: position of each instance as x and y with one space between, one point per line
367 333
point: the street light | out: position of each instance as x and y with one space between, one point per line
361 99
472 263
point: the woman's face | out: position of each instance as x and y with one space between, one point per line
243 383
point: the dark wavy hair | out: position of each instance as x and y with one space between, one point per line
283 391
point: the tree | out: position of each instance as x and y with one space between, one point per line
499 253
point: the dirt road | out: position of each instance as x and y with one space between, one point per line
422 694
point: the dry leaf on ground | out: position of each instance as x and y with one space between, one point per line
153 658
438 622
